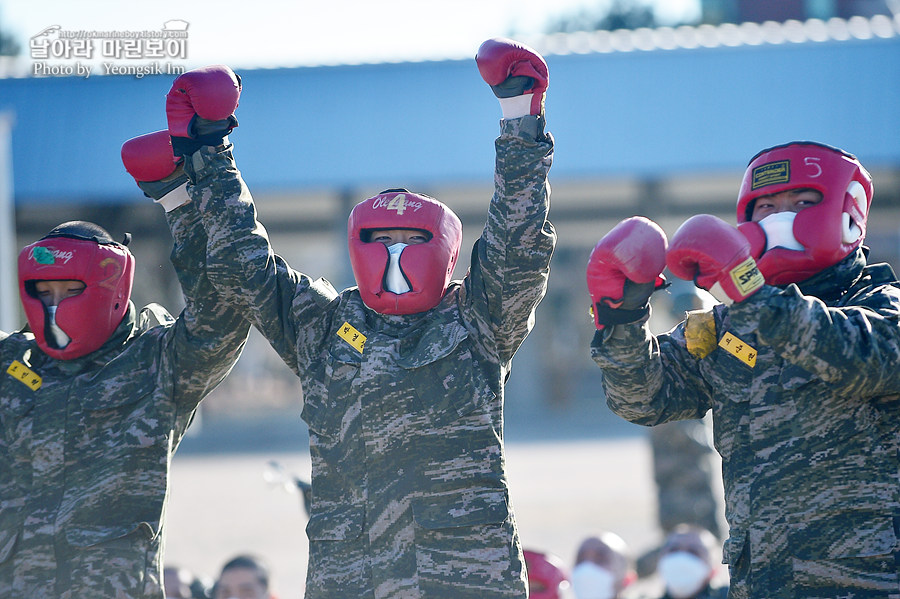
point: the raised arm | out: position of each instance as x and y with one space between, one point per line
511 260
209 334
285 305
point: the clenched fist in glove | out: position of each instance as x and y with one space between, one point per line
624 269
716 256
149 159
200 108
517 74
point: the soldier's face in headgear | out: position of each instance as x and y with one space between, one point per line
803 206
75 285
403 247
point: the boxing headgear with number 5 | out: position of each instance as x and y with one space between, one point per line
78 251
824 233
427 266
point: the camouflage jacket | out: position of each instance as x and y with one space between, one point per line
707 592
803 386
85 444
409 491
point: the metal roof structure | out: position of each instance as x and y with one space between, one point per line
645 103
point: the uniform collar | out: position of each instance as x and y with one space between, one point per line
832 283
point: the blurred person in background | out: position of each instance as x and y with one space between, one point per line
403 375
547 576
688 563
181 583
603 567
799 364
244 577
177 582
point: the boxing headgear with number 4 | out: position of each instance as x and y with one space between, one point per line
78 251
427 266
823 234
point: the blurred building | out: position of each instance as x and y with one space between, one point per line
653 122
759 11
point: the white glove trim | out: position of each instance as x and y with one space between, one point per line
175 198
516 107
719 293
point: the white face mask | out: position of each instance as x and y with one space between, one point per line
61 339
779 229
684 573
394 281
590 581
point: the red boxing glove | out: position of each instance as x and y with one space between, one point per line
716 256
516 73
149 159
756 236
200 107
624 269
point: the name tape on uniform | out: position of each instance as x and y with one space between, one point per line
738 349
24 375
349 334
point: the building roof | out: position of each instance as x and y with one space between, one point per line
645 103
728 34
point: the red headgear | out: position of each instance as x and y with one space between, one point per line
427 266
83 252
546 575
828 231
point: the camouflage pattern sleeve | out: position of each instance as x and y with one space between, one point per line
11 500
650 379
283 304
209 335
854 347
511 260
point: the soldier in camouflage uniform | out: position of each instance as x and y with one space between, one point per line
801 371
403 375
94 399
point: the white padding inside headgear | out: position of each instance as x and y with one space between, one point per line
850 231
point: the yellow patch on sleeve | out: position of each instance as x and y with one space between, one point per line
700 333
349 334
24 375
737 348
